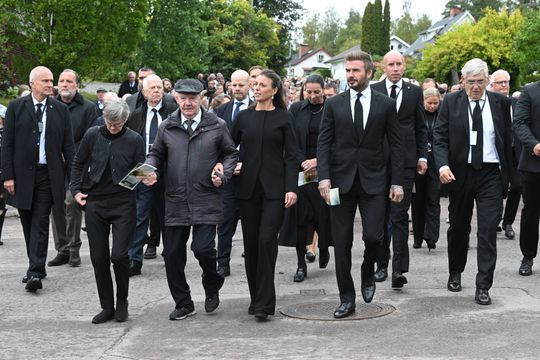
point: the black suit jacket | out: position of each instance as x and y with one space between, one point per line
20 153
451 143
126 89
270 152
411 119
527 126
137 119
341 154
225 112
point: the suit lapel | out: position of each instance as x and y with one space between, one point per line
29 105
463 109
496 115
348 118
404 96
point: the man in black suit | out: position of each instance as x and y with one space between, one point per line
472 146
500 82
527 129
231 211
129 86
410 109
137 99
37 152
351 157
145 121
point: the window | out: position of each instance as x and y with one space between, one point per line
321 58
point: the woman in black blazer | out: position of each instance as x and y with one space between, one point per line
311 212
267 184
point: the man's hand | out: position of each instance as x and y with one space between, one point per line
149 179
396 193
536 149
324 190
9 185
446 176
217 178
218 168
290 199
81 198
310 164
421 167
237 168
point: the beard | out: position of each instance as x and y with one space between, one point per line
67 94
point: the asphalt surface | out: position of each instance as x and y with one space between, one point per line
429 322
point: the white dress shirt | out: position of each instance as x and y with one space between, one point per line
149 116
490 154
196 121
42 154
399 92
365 100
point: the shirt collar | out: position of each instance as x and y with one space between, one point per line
389 84
39 102
366 92
196 119
482 98
245 101
157 107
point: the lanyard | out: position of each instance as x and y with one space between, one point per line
481 109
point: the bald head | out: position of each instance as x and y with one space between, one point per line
394 66
240 84
41 82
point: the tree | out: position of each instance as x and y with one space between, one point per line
239 35
385 29
350 34
381 48
173 51
475 7
370 36
330 26
97 41
310 32
408 29
488 39
526 46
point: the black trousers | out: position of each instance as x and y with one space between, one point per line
35 223
426 208
227 228
372 209
120 213
483 186
514 193
203 246
399 216
261 221
530 214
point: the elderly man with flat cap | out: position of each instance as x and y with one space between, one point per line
189 143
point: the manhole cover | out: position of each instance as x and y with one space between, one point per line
324 310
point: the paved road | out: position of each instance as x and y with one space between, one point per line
429 321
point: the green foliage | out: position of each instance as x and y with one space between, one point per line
175 51
322 34
385 29
350 34
377 20
370 38
325 73
488 39
475 7
239 36
408 28
526 46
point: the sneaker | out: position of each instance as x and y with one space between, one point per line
211 302
526 267
182 313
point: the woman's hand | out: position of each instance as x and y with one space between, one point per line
290 199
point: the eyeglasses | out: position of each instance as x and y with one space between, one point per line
475 82
504 82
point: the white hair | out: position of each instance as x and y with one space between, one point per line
116 110
499 72
148 78
475 67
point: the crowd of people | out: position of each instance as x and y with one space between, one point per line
292 159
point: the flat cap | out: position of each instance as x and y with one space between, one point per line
188 86
101 89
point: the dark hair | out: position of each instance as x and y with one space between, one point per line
362 56
315 79
278 100
430 80
147 69
255 67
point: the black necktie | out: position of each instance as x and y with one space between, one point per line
478 149
236 109
39 115
393 94
359 116
153 128
188 127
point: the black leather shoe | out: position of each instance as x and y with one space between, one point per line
261 315
224 270
182 313
310 257
1 242
251 309
417 244
33 284
300 275
431 244
499 228
324 258
25 278
398 279
509 232
59 259
134 268
454 282
526 267
482 297
104 316
344 310
74 259
121 313
368 290
381 274
150 252
211 302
